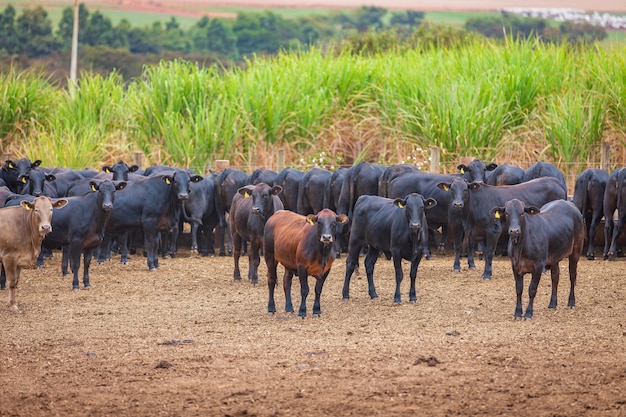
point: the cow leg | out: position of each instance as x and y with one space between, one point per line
194 237
608 233
519 289
122 241
287 280
74 254
87 256
351 264
40 261
593 227
616 232
470 251
271 282
304 291
319 284
413 275
237 241
105 249
65 260
151 246
458 248
490 249
532 289
254 261
219 239
3 278
13 275
555 275
573 273
370 261
397 264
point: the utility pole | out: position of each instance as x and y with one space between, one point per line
74 53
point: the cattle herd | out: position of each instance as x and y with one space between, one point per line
304 220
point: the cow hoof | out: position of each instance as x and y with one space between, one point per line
153 269
301 317
15 310
316 315
87 287
458 270
591 257
486 278
412 301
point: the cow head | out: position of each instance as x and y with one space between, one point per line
106 193
513 213
262 198
120 170
414 205
326 221
35 182
476 170
41 209
459 191
16 172
180 181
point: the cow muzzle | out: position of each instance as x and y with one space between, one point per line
45 228
256 210
458 205
514 234
183 196
415 227
107 207
326 238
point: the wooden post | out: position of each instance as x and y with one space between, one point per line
435 159
138 158
6 156
280 160
605 155
221 164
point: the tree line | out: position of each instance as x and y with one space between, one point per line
104 46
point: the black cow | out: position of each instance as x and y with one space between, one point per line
15 173
475 171
538 240
614 199
80 229
251 207
545 169
480 225
227 183
120 170
505 174
151 204
589 198
311 191
398 228
332 189
260 175
43 182
289 180
304 246
426 184
390 174
200 212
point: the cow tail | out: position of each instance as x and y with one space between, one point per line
621 176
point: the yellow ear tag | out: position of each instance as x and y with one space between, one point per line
245 194
462 171
310 221
107 170
497 215
23 180
167 181
93 187
400 205
27 207
10 166
446 188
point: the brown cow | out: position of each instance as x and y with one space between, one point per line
304 245
22 229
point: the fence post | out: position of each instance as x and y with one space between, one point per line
138 158
6 156
221 164
280 160
605 155
435 159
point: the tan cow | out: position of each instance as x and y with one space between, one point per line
22 229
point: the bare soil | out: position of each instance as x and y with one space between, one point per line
188 340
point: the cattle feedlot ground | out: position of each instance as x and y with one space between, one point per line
189 341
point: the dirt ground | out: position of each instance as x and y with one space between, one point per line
187 340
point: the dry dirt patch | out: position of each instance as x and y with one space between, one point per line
188 340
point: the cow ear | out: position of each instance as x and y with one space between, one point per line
59 203
311 219
106 169
443 186
94 186
532 210
167 179
196 178
245 191
474 186
50 177
342 219
121 185
24 179
36 163
10 164
276 189
399 202
430 202
462 168
26 204
497 212
491 166
133 168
